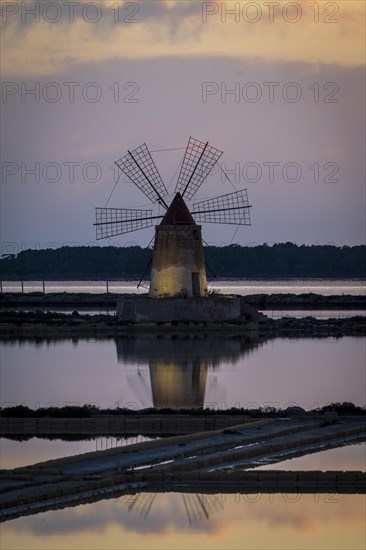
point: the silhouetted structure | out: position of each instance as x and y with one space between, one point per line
178 262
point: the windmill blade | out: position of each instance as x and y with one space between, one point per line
232 208
140 168
116 221
199 159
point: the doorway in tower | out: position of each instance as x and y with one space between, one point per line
195 284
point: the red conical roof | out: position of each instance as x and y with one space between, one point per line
178 213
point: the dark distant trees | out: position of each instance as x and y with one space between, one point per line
287 260
284 260
79 262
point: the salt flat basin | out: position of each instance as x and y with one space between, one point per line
112 373
199 460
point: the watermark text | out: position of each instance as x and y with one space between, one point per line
69 12
269 92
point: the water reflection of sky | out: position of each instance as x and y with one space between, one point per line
350 457
316 313
15 453
263 521
223 372
235 286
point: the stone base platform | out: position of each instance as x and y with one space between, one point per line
141 309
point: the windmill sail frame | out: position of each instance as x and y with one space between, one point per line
111 222
140 168
199 159
232 208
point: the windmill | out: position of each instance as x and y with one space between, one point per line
178 267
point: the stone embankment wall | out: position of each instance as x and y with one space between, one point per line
178 309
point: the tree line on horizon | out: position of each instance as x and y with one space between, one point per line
284 260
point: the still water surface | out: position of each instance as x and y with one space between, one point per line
197 521
350 457
217 372
186 372
15 454
227 286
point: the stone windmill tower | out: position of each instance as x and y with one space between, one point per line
178 265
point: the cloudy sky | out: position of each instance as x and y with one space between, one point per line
278 86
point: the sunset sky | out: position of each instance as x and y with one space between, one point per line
278 86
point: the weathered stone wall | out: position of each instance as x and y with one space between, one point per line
178 309
178 252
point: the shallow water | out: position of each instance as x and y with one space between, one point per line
182 373
15 454
206 371
350 457
192 520
316 313
237 286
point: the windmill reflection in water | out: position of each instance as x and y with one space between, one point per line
178 366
